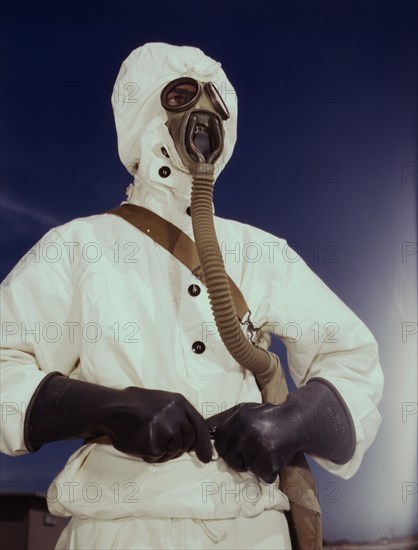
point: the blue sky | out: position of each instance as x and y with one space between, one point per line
326 158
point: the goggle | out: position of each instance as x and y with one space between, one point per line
181 94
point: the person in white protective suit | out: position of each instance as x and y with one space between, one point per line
107 334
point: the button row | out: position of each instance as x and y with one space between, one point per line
194 290
198 347
164 172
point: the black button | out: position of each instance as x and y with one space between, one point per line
198 347
164 171
164 152
189 211
194 290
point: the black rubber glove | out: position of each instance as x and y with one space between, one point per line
263 438
152 424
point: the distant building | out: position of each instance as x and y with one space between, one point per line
26 524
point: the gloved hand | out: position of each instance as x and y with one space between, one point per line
263 438
152 424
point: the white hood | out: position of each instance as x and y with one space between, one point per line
140 119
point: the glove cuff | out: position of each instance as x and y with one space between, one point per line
332 433
28 425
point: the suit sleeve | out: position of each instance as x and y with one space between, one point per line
39 315
325 339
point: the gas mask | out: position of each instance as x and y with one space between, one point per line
196 113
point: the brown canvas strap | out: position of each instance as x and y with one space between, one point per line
170 237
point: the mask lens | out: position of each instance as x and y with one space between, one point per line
217 100
180 94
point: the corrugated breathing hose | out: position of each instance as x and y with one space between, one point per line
261 362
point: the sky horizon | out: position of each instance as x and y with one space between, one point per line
325 158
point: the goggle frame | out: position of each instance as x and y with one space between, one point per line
210 89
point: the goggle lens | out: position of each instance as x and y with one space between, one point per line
179 94
217 100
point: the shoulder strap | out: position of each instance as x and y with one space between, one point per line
170 237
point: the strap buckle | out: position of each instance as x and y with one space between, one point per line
250 328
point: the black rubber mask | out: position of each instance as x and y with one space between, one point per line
195 112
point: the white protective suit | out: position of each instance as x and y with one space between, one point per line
98 300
